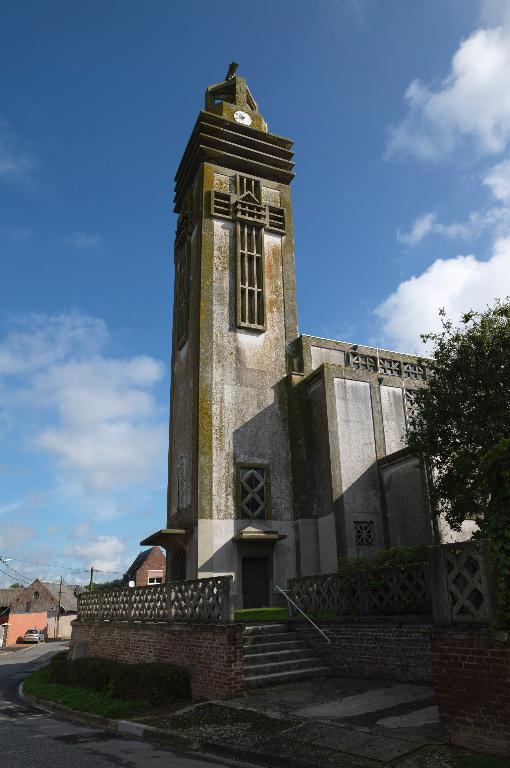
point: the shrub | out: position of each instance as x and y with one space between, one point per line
157 684
386 558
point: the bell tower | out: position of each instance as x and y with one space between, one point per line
230 502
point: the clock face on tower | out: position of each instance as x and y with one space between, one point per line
242 117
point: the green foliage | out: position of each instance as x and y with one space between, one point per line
156 684
465 408
481 761
16 585
83 700
385 559
261 614
495 523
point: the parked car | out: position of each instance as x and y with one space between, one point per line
33 636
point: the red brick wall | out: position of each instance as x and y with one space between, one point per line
389 648
472 678
212 653
155 561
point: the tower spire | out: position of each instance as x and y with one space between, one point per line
232 97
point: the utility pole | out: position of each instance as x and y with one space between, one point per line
59 604
91 584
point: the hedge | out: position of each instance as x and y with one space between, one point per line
157 684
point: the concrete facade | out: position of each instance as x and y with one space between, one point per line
305 421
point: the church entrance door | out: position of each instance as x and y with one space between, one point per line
255 582
178 564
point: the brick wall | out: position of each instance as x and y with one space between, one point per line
391 648
212 653
155 561
472 678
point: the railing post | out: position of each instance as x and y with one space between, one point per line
130 603
363 601
100 606
438 581
227 608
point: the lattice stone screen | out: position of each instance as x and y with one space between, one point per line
462 583
198 600
386 591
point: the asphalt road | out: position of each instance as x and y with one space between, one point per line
32 738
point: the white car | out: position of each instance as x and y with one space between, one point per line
33 636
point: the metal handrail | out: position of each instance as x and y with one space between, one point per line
290 601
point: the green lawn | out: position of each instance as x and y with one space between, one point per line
261 614
81 699
482 761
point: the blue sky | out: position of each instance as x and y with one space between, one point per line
400 113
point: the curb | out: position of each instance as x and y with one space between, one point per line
236 756
130 728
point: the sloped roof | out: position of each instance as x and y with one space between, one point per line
68 599
9 595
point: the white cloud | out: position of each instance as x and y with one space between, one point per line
498 180
16 161
471 104
83 242
458 284
495 218
103 552
13 534
97 414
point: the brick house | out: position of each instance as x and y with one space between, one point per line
147 569
42 605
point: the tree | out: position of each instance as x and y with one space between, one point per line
16 585
465 409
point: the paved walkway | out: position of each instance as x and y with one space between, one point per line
323 723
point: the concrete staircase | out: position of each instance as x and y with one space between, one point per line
273 654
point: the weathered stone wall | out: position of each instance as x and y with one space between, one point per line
472 679
404 490
213 654
391 648
242 402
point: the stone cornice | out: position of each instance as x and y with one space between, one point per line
235 146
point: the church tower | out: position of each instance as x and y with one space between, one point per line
230 498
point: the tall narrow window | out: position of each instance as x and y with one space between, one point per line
182 279
250 277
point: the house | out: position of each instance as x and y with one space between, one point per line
49 606
287 451
147 569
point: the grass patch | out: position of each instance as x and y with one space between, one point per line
481 761
81 699
261 614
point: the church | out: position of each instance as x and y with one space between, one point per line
287 452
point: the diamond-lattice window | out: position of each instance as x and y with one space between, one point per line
364 533
253 492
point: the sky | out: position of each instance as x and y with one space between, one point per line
400 114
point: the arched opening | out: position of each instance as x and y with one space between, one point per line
178 564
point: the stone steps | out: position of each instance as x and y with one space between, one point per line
274 654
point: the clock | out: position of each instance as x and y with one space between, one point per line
242 117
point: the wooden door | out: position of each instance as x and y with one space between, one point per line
255 582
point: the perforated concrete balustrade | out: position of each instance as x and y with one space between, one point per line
385 591
198 600
455 585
